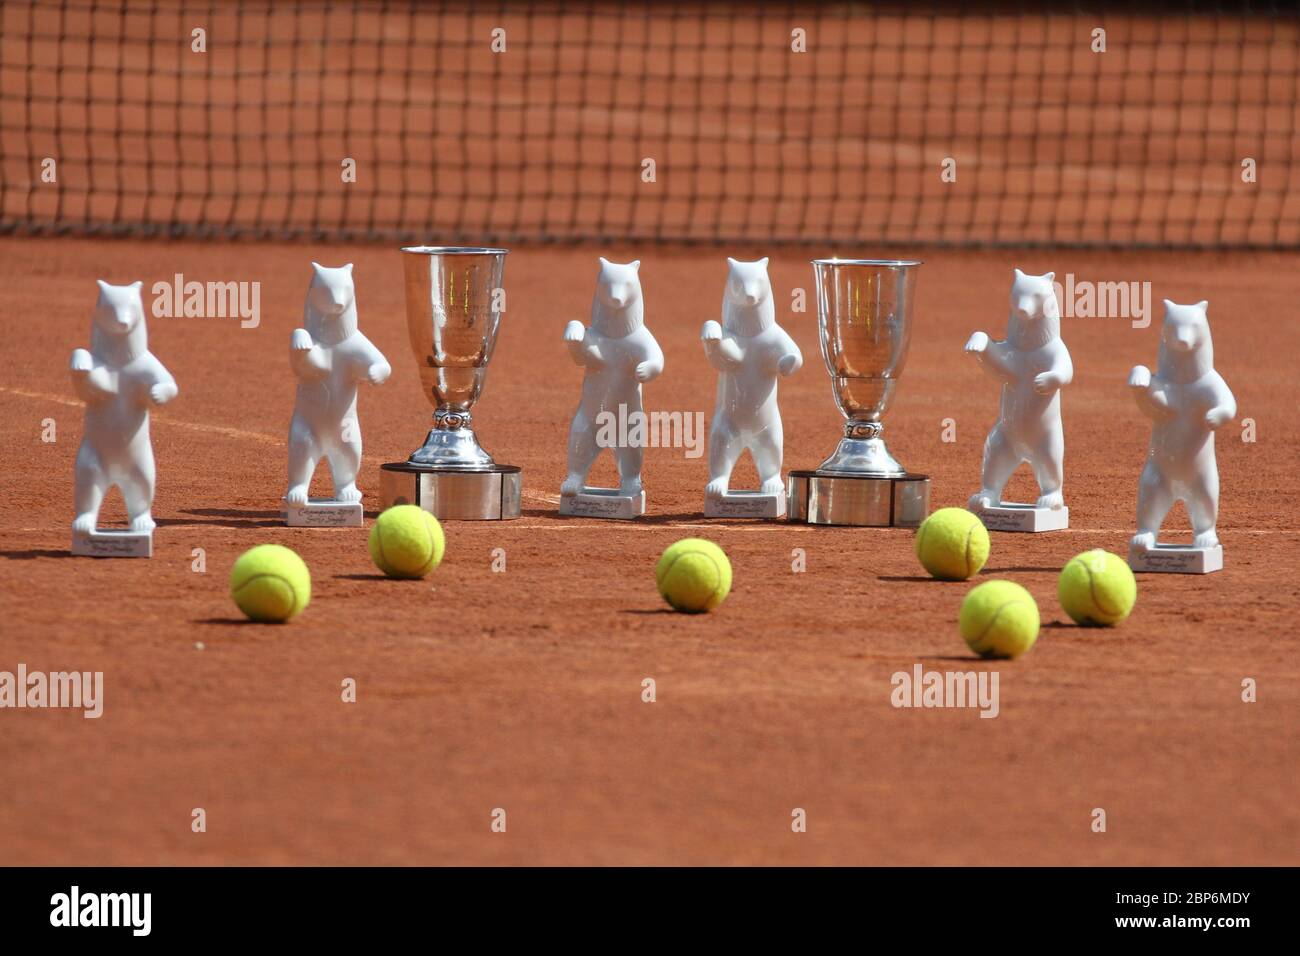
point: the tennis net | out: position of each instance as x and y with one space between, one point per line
842 125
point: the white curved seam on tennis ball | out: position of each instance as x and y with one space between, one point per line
427 530
996 615
702 553
1092 587
293 592
433 545
717 568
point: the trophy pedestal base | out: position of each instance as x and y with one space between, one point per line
815 497
489 495
323 513
745 504
1177 559
603 503
1009 516
112 543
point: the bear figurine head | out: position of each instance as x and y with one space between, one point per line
617 309
118 331
1186 350
747 306
1035 313
331 311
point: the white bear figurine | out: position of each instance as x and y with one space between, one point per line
749 351
329 357
1033 366
118 379
1187 401
619 354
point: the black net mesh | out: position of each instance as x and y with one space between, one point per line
916 124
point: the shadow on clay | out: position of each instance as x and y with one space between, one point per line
658 519
235 621
33 553
227 518
1020 568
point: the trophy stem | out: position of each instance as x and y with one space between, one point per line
452 444
862 452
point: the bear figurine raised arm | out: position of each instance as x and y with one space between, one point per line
750 352
618 354
330 357
1187 401
1033 365
118 379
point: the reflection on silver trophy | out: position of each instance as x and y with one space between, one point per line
454 300
864 317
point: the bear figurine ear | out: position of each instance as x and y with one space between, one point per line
732 262
1169 304
1019 274
763 262
103 286
1203 305
317 266
348 268
1049 276
635 264
137 285
603 261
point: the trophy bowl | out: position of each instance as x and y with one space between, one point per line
864 321
454 301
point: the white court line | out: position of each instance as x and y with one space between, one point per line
543 498
222 430
161 418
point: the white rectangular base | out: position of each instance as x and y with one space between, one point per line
602 503
113 543
745 504
1031 518
323 513
1177 559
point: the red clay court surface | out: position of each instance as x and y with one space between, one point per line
522 690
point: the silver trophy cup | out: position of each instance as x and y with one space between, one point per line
864 316
453 314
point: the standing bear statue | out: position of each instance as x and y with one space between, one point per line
749 351
1187 401
330 357
118 379
1033 365
618 354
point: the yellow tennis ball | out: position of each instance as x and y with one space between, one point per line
693 575
1097 588
406 542
952 544
270 583
999 619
